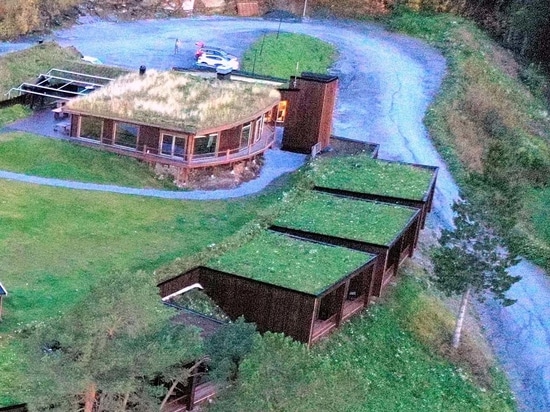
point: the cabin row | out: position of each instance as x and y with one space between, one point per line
328 255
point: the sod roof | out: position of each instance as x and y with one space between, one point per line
291 263
26 65
177 101
361 220
363 174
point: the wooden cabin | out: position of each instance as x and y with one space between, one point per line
177 120
388 231
308 106
274 281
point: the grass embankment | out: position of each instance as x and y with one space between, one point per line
384 360
36 156
284 54
492 131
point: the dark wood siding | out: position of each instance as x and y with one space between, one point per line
309 114
270 307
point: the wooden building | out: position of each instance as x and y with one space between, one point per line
308 106
177 120
388 231
285 296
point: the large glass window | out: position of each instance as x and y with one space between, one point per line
245 135
126 135
90 127
206 144
173 145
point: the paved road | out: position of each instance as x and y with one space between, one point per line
387 82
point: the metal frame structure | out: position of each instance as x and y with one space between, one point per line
66 78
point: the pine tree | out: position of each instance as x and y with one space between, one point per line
105 352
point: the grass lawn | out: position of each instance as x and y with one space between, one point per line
363 174
285 54
291 263
63 160
346 218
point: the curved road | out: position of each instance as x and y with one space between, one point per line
387 82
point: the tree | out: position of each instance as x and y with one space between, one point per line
104 353
471 259
227 348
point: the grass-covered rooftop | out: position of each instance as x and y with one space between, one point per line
361 173
177 101
365 221
291 263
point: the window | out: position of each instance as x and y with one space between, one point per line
281 111
245 135
258 129
126 135
206 144
90 128
173 145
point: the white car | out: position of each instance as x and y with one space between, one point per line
91 59
212 60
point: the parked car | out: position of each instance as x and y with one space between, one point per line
216 51
212 60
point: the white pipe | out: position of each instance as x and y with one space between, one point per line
182 291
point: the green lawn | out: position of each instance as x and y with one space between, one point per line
292 263
363 174
371 222
285 54
38 156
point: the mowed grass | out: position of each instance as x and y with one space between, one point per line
55 243
38 156
374 363
285 54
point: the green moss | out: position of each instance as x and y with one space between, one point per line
296 264
363 174
347 218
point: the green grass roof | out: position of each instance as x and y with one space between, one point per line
292 263
363 174
361 220
177 101
26 65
